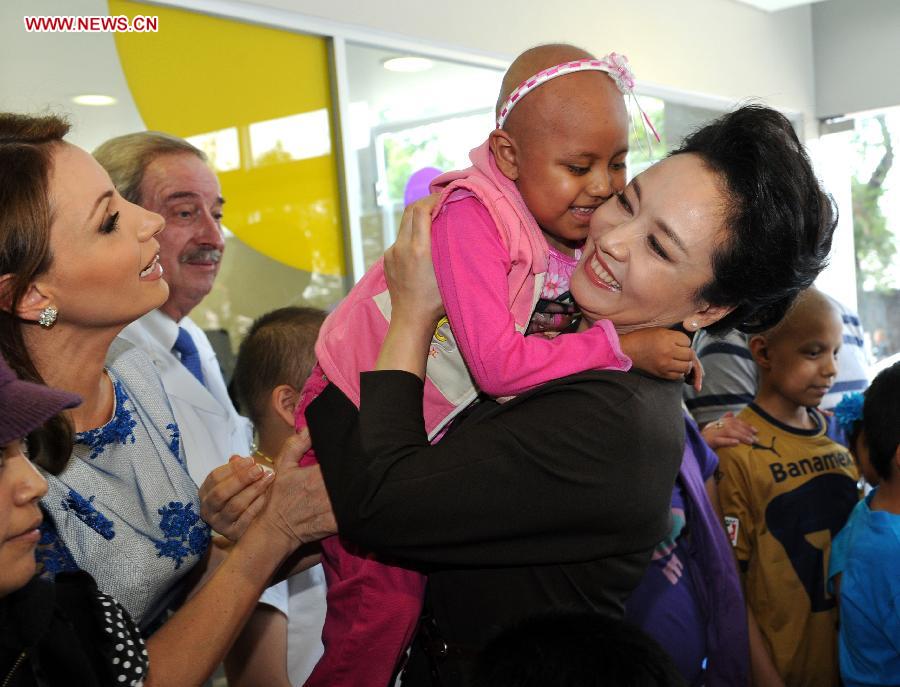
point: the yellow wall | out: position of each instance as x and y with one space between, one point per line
200 74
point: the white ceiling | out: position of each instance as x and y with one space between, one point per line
42 71
446 88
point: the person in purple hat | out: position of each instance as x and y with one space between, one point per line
49 631
24 407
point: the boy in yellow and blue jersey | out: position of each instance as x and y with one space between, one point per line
785 496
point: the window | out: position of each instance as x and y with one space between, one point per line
875 188
406 126
672 121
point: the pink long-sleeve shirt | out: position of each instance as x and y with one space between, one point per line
490 258
473 286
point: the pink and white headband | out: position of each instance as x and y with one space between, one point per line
613 64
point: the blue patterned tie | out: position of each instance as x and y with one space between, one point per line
190 356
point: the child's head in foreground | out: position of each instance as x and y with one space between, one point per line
872 421
272 364
797 358
574 650
564 143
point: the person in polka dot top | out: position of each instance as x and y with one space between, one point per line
51 633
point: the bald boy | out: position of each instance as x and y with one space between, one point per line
797 358
785 496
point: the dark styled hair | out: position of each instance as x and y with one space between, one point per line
881 420
278 349
574 650
779 220
27 145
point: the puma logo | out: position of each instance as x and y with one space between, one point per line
761 447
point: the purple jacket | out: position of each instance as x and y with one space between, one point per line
689 599
713 568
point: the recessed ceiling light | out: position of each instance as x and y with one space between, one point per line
94 100
777 5
408 64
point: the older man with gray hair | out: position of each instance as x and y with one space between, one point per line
171 177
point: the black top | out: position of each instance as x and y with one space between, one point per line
66 632
553 500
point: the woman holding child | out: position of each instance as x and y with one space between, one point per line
556 498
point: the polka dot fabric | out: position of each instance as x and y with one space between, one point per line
126 647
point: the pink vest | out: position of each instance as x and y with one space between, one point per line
351 336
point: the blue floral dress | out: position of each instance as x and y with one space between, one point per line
125 509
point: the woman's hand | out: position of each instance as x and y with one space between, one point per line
728 431
408 267
416 303
233 494
297 506
297 510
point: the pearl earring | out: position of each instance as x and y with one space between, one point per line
695 325
48 317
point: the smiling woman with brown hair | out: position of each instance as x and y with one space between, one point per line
77 264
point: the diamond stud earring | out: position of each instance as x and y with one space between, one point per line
48 317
